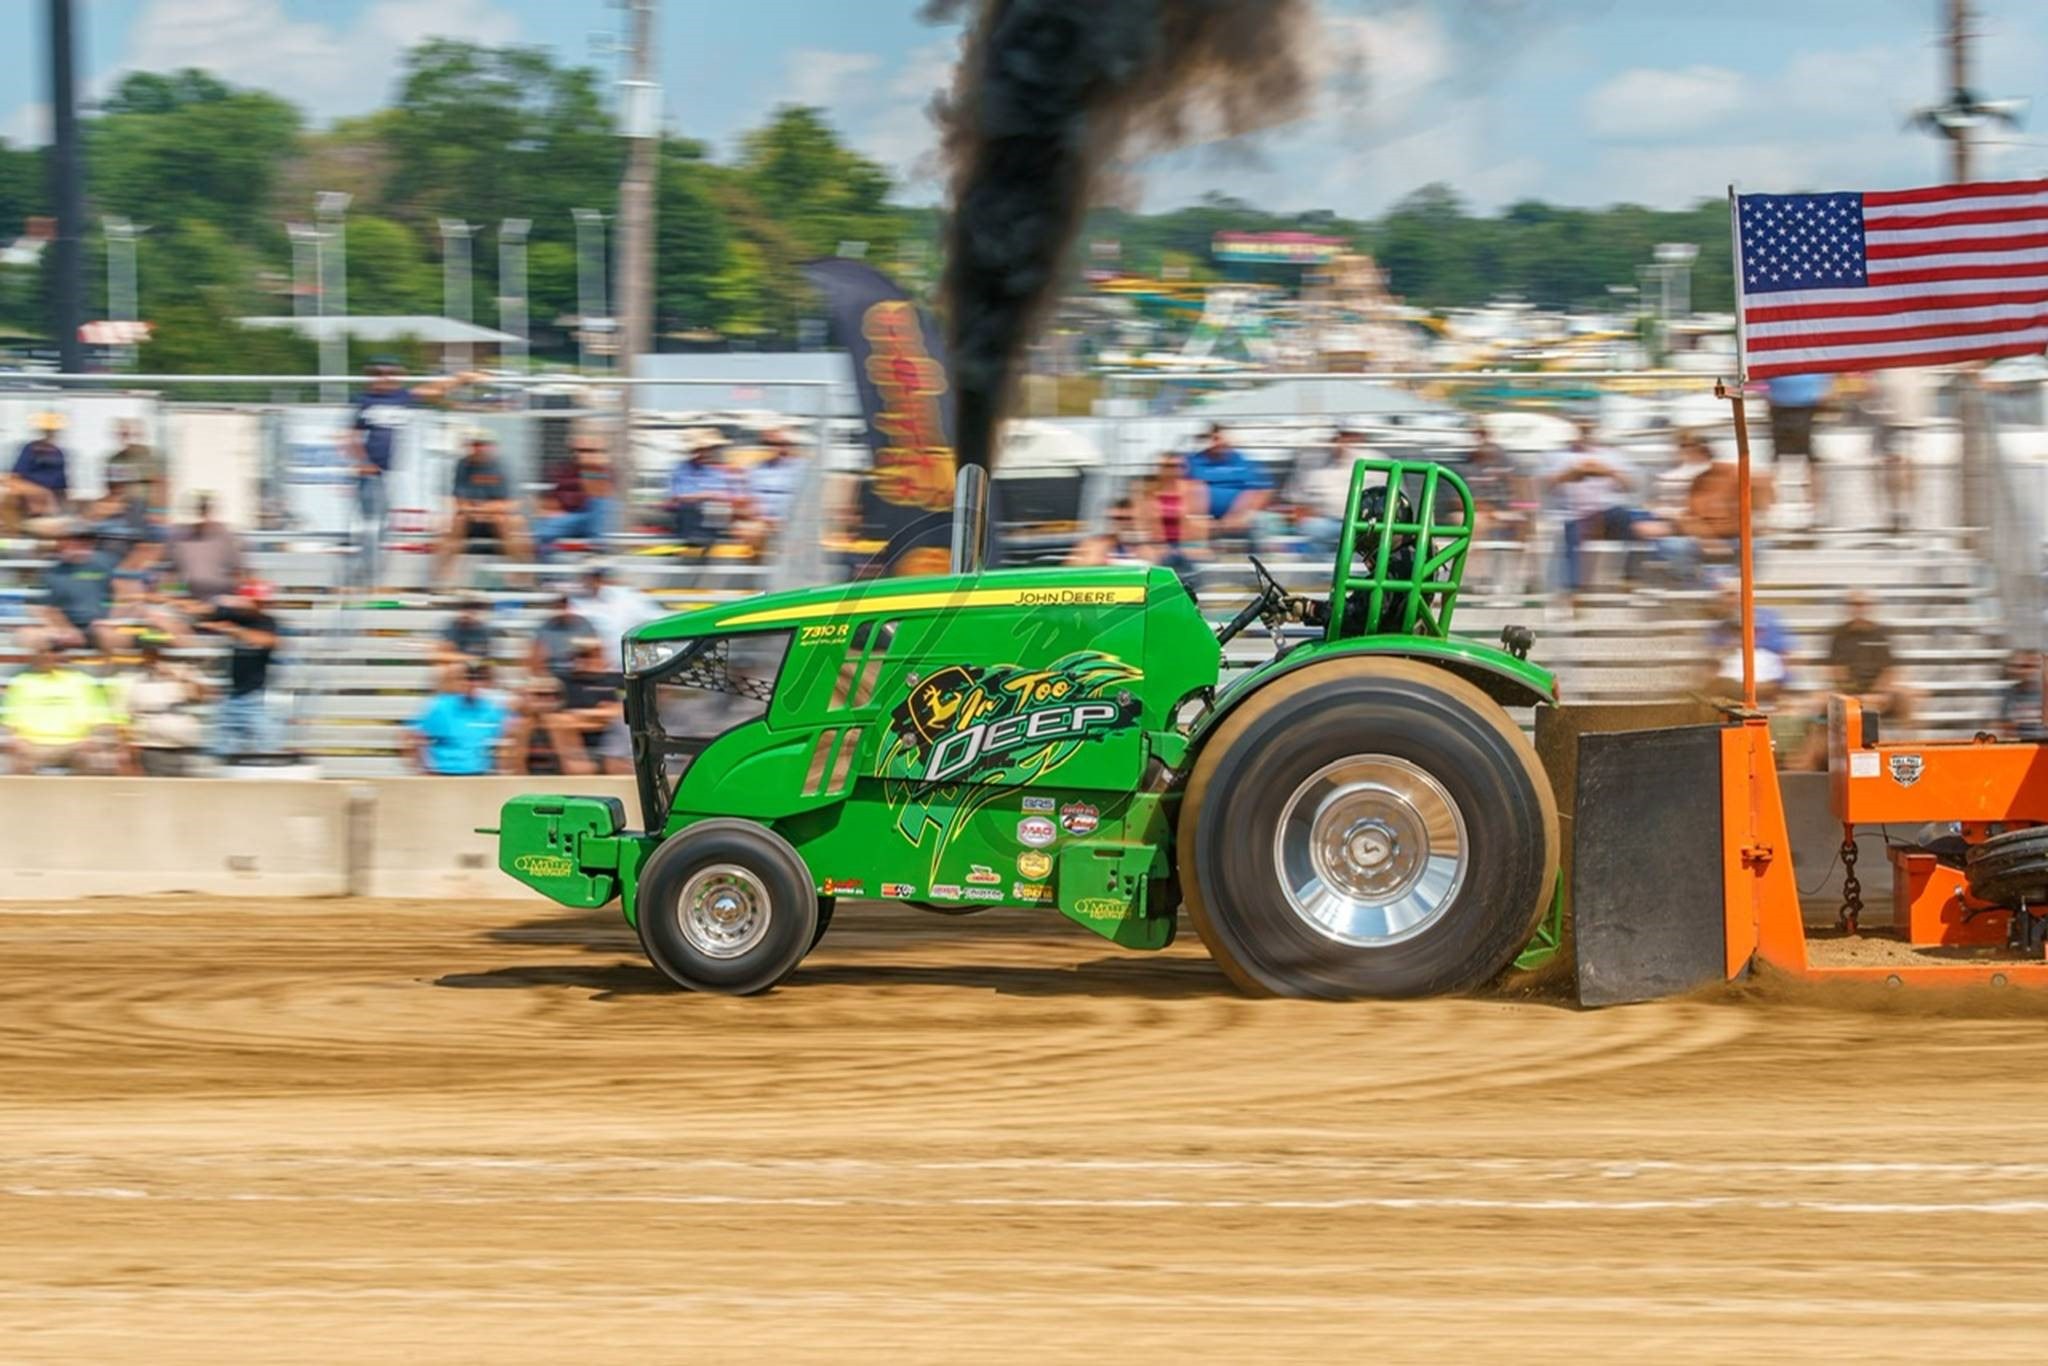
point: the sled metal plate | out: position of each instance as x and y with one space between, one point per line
1647 895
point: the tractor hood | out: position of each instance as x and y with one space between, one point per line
995 588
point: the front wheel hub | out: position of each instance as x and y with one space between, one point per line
723 910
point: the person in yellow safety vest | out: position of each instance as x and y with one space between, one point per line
54 716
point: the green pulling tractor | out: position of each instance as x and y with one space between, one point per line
1357 817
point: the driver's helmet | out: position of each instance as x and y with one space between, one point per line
1372 515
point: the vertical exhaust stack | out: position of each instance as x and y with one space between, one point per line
1049 96
970 519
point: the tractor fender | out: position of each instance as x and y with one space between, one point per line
1507 680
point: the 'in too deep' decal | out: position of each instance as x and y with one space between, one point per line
965 731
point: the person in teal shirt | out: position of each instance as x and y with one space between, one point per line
461 731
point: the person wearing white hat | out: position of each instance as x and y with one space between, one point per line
703 490
39 484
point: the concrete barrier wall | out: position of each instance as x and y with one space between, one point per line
417 836
414 837
71 837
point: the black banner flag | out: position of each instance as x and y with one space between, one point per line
906 394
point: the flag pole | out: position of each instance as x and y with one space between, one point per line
1744 506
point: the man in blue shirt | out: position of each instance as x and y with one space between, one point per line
703 491
382 411
771 485
1239 489
40 483
461 731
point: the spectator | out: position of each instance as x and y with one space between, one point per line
467 638
1122 544
703 491
771 485
40 483
1713 508
127 530
612 609
160 699
384 408
243 723
1671 490
588 730
484 507
53 716
1861 661
1502 501
1172 514
206 555
1795 399
2023 714
1238 488
78 593
1593 496
553 652
464 730
137 468
1724 640
1321 488
579 497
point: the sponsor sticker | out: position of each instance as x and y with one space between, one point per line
1037 831
1034 865
545 865
946 891
1078 818
1042 805
1030 891
898 891
840 886
981 875
1906 769
984 894
1100 906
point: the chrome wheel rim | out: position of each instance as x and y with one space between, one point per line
1371 850
723 910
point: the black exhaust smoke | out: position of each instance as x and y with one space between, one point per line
1050 95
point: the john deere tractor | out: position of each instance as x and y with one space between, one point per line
1357 816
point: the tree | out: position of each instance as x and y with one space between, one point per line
187 147
692 240
387 273
821 192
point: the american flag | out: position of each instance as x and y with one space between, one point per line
1892 277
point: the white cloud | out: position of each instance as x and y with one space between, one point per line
28 126
329 68
1645 103
819 76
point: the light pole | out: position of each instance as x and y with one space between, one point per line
512 290
590 302
455 287
123 302
331 251
633 297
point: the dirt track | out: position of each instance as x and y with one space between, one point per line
363 1131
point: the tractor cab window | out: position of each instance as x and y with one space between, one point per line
715 685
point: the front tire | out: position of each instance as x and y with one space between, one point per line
1366 827
726 906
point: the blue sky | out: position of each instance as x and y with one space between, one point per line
1578 101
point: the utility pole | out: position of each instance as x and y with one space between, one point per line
1958 118
1960 169
640 125
67 189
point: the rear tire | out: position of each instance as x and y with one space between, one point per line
2011 868
1366 827
825 908
726 906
